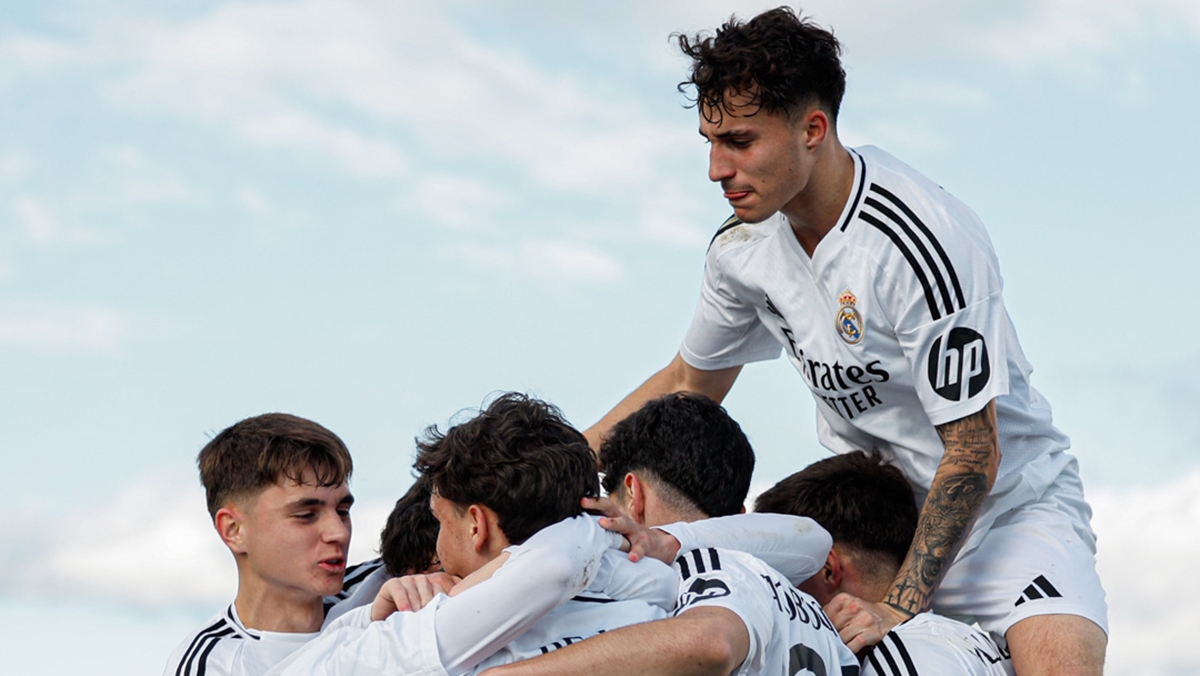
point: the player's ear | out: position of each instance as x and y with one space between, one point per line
636 492
230 524
480 526
815 126
833 571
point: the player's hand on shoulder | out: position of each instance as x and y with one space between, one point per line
861 623
410 593
640 542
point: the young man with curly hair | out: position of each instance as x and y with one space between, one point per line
884 292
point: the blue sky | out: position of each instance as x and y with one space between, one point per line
377 214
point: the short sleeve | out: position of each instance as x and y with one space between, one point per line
713 578
941 286
725 330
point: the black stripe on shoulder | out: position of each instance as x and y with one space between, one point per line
958 293
197 662
731 222
190 653
903 651
888 665
359 572
202 664
934 270
862 181
930 299
684 571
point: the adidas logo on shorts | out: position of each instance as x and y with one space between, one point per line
1041 588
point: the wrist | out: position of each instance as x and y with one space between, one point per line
908 614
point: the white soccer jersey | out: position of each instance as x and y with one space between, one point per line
896 323
225 646
932 645
788 630
796 546
453 635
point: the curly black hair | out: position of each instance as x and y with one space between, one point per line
782 62
519 457
690 444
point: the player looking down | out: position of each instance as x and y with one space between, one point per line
681 458
884 292
867 506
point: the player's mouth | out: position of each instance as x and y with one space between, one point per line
735 195
335 565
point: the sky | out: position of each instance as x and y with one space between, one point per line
379 214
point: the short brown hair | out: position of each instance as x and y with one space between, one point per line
518 457
267 449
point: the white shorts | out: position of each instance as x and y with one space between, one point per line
1037 559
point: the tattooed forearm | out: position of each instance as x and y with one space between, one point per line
963 480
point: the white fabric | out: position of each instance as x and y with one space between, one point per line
793 545
786 626
912 273
876 391
453 635
571 623
225 647
932 645
1039 560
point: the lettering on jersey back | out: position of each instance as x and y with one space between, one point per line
958 364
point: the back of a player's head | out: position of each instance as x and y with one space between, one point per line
688 448
861 500
785 63
518 457
272 448
408 542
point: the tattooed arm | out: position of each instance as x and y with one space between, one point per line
962 482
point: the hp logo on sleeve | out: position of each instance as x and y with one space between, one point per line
958 364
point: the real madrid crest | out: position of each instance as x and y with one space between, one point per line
849 323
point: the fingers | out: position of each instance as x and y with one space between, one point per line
861 624
601 506
410 593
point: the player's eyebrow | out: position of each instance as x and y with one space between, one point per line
317 502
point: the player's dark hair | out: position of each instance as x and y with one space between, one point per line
268 449
519 457
783 62
408 542
690 444
860 499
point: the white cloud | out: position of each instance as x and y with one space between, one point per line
552 260
43 225
60 328
15 165
252 200
1147 558
152 545
459 202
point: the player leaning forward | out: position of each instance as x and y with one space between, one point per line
884 292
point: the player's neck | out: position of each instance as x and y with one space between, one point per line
265 607
815 210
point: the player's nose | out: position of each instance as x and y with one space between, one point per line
719 166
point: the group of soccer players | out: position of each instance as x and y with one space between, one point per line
948 533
